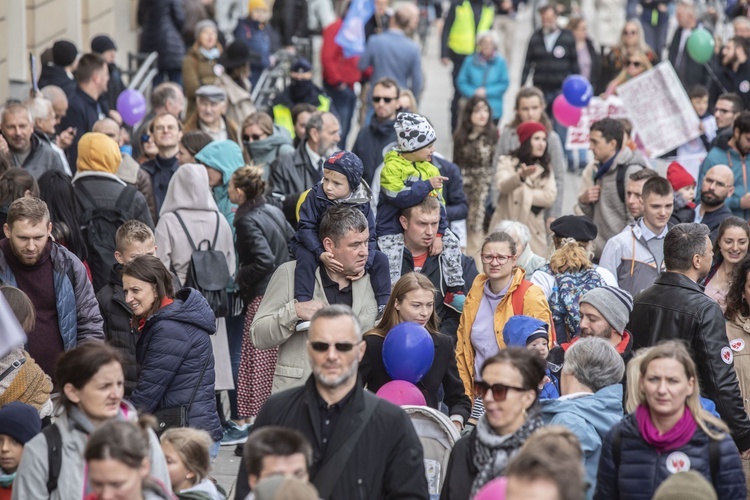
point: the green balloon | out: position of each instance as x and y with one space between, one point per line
700 46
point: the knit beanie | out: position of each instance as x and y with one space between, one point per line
256 4
614 304
20 421
101 44
678 177
98 153
284 488
349 165
413 132
64 53
688 485
527 129
203 24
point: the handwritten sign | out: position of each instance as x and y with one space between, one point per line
598 108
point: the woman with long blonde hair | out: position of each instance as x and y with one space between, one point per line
636 64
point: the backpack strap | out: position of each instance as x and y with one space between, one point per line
54 455
84 197
216 234
184 228
518 294
621 171
125 201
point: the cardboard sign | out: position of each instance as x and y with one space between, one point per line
598 108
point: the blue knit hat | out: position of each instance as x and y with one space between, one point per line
347 164
520 331
20 421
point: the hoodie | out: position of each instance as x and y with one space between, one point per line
205 490
265 151
189 196
226 157
517 332
590 417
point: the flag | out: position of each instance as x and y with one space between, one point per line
11 333
351 36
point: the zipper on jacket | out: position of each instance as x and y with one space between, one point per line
362 489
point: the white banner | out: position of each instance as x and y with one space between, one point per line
11 333
598 108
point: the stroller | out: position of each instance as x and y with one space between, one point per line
438 435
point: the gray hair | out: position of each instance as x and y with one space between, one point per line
337 311
488 34
594 362
54 93
316 121
15 107
741 20
164 92
682 242
514 228
339 220
39 108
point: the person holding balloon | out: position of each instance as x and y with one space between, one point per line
410 316
496 295
509 386
526 184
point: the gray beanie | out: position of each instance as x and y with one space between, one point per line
614 304
203 24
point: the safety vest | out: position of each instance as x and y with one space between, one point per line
282 116
463 36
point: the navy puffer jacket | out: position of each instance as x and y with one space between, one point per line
642 469
171 351
162 22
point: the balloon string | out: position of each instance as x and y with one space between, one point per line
714 77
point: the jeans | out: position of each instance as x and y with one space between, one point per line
656 36
345 101
235 328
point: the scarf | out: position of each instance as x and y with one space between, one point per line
492 452
6 480
30 385
604 168
210 54
303 91
675 438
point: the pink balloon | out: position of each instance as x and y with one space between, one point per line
494 490
401 392
564 112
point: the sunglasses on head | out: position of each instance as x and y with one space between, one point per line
499 391
340 346
386 100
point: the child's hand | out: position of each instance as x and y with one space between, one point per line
332 264
437 246
355 277
437 181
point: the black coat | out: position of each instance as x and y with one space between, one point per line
370 143
550 68
728 80
291 174
442 372
642 469
172 349
118 329
675 308
56 75
289 19
693 73
262 242
161 23
714 219
456 204
83 113
386 462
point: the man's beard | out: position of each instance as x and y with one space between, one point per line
335 383
711 200
326 150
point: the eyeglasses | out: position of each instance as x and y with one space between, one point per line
164 128
499 391
635 64
711 182
386 100
340 346
501 259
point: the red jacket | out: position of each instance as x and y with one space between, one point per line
336 68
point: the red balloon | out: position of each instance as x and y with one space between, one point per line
565 113
401 392
494 490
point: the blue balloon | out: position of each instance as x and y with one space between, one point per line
408 351
577 91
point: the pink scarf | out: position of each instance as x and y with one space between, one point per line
675 438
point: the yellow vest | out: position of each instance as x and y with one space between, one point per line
282 116
463 36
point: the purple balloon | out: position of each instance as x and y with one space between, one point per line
494 490
132 106
408 351
400 392
565 113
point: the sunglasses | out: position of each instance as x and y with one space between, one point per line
386 100
499 391
145 138
340 346
635 64
630 32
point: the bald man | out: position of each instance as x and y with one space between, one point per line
717 186
59 100
129 170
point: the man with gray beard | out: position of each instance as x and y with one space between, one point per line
363 446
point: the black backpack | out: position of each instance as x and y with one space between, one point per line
99 226
208 271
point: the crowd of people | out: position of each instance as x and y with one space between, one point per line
262 254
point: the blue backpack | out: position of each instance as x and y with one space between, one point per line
568 290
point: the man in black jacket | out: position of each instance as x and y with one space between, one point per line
60 71
689 71
379 133
675 308
552 55
733 74
384 458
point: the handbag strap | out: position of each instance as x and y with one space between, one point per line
200 379
327 477
16 364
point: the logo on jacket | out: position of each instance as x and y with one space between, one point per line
737 345
727 355
678 462
558 52
744 86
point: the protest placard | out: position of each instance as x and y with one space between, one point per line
598 108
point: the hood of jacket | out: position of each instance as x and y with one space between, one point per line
98 153
206 489
519 328
189 190
261 148
602 410
394 157
189 308
224 156
626 156
362 195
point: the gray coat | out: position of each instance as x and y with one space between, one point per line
41 158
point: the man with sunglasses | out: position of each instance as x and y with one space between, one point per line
363 447
375 136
